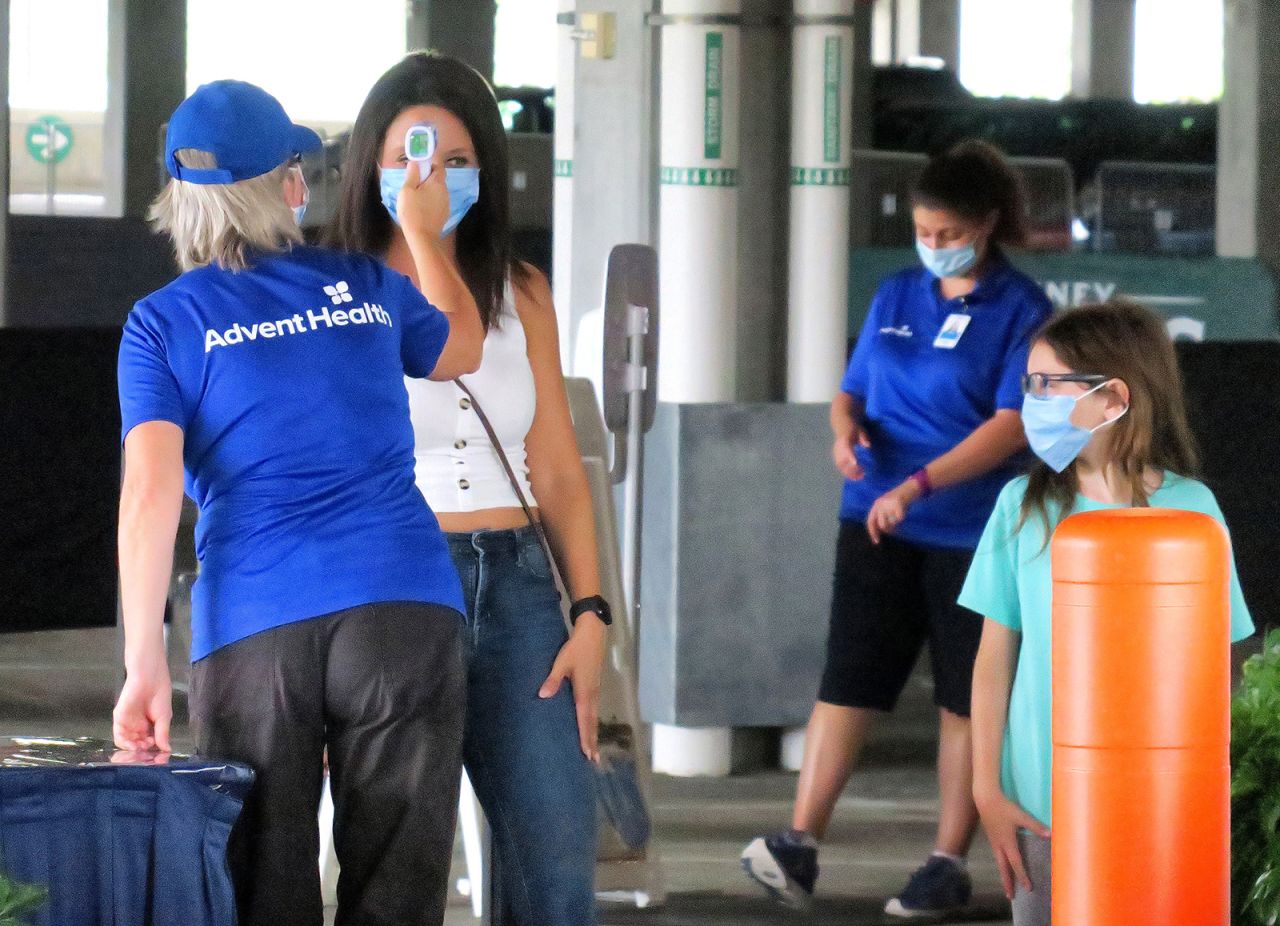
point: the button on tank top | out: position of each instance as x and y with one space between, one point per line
456 467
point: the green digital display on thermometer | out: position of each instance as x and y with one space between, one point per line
420 143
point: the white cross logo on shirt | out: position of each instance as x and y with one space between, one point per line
338 292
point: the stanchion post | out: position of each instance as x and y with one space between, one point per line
1141 719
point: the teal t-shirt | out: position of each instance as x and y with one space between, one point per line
1011 583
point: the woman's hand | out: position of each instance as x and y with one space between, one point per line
581 661
1002 819
842 453
140 721
890 509
423 205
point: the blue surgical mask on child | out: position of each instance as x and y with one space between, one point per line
947 262
463 184
1052 436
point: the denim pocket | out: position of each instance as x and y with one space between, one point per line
531 558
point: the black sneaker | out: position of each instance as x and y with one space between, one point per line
938 888
785 865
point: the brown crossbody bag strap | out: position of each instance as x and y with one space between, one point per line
515 485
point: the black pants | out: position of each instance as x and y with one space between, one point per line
383 687
887 600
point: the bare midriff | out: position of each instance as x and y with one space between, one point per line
490 519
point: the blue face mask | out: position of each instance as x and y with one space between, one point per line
947 262
300 211
1052 436
464 190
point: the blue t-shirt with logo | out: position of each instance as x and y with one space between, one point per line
287 380
928 372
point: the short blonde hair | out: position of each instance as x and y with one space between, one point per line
221 223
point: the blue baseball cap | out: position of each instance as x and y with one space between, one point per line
241 125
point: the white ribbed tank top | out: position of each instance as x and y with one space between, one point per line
455 465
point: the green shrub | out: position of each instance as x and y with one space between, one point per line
17 899
1255 790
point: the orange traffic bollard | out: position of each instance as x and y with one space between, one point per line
1141 719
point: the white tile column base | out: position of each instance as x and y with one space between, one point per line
791 755
692 752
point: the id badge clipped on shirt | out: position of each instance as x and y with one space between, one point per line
952 329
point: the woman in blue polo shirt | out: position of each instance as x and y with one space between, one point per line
927 431
327 615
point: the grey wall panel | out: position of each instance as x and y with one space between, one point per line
738 557
658 596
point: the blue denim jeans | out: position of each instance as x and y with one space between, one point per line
522 753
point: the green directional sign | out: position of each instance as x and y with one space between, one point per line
49 140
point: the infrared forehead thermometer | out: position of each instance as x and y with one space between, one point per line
420 145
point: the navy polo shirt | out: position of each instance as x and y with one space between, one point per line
921 400
287 380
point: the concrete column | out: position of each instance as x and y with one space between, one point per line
701 50
461 28
906 30
883 29
821 111
1102 49
1249 135
562 195
701 59
939 30
763 162
4 163
865 58
146 80
614 128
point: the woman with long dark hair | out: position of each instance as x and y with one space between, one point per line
926 426
498 461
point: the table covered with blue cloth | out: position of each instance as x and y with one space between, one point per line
119 838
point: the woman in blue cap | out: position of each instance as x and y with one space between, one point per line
327 614
927 429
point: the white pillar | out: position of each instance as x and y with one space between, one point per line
698 200
821 109
692 752
882 32
906 30
697 250
792 752
562 190
1249 136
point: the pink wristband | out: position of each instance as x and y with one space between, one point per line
921 478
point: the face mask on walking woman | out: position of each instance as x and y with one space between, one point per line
947 262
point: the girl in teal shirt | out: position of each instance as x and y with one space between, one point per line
1103 411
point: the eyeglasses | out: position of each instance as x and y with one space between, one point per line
1037 384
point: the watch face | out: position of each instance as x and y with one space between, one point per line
596 605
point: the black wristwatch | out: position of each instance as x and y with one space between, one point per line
593 603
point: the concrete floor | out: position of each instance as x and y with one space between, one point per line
63 684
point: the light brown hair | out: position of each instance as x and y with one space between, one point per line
1122 340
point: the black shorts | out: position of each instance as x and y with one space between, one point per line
887 600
